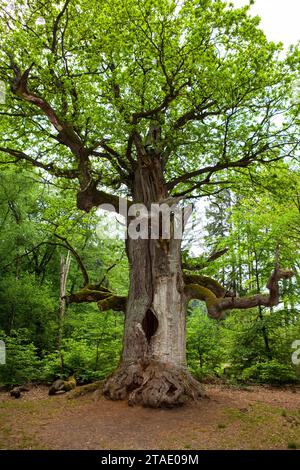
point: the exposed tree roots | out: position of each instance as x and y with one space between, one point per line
153 384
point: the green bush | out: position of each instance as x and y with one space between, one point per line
204 349
22 364
271 372
80 358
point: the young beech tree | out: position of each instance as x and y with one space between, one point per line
154 101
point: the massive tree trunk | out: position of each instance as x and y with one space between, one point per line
153 370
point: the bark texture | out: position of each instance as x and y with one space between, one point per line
153 369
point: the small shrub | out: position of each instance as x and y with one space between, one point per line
271 372
79 358
293 445
22 364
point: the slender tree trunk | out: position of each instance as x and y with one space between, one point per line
64 271
260 312
200 356
153 369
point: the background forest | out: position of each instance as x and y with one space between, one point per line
40 228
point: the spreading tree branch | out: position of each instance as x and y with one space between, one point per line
105 299
49 167
90 197
205 281
191 265
56 25
66 133
217 305
241 163
198 113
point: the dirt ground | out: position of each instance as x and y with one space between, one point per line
251 418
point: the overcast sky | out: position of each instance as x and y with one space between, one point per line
280 18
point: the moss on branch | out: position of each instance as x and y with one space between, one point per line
104 298
204 281
194 291
87 295
216 306
114 302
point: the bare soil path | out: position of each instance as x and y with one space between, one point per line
253 418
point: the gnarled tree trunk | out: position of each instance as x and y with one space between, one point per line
153 369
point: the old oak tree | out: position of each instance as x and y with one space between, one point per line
155 102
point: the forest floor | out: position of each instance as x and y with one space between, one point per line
250 418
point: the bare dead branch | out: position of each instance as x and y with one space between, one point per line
77 257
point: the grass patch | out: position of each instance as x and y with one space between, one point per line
187 446
221 426
293 445
253 418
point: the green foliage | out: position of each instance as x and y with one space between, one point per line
22 363
91 349
271 372
293 445
24 303
29 286
204 349
108 66
207 74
